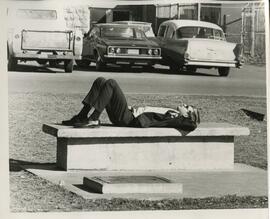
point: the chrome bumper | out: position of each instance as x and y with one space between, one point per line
233 64
132 57
45 56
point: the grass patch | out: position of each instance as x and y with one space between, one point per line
28 111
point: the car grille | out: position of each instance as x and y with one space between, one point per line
133 51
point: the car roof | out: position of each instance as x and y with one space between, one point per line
113 24
192 23
132 22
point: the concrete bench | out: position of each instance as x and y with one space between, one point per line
209 147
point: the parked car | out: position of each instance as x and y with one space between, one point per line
120 44
194 44
144 26
39 33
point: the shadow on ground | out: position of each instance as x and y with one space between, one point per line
118 69
16 165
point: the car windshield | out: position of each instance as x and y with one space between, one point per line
148 31
36 14
121 32
199 32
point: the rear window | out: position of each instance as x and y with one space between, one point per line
36 14
199 32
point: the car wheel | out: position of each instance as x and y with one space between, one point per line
174 68
83 62
68 64
12 63
53 63
100 65
42 62
148 68
192 69
224 71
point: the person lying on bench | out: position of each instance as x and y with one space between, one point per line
106 94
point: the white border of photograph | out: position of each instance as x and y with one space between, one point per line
4 155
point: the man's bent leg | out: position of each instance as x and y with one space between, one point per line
94 91
113 99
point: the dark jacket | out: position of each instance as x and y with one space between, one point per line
150 119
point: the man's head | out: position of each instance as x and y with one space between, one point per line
189 111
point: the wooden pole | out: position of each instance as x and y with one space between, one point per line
199 11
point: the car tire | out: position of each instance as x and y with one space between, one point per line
223 71
42 62
149 68
192 69
12 63
83 62
174 68
68 64
100 65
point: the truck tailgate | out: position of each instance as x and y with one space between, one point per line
46 40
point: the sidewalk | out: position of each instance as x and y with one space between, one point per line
242 181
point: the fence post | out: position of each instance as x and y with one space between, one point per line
252 30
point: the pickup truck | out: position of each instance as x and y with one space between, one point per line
41 34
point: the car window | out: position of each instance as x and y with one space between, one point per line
162 31
121 32
36 14
169 32
218 34
199 32
148 31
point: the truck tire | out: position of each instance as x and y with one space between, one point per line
68 64
223 71
83 62
53 63
12 63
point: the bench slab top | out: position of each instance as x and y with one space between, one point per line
204 129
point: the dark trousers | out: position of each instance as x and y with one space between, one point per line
106 94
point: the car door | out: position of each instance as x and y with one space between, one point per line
175 47
162 40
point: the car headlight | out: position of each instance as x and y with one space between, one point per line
118 50
155 52
149 52
111 50
78 38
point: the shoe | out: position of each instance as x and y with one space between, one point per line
72 121
87 123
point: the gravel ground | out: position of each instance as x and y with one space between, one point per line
28 111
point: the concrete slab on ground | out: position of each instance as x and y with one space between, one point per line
131 184
243 180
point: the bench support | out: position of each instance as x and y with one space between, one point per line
132 153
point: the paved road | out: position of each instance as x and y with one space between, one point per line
248 81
